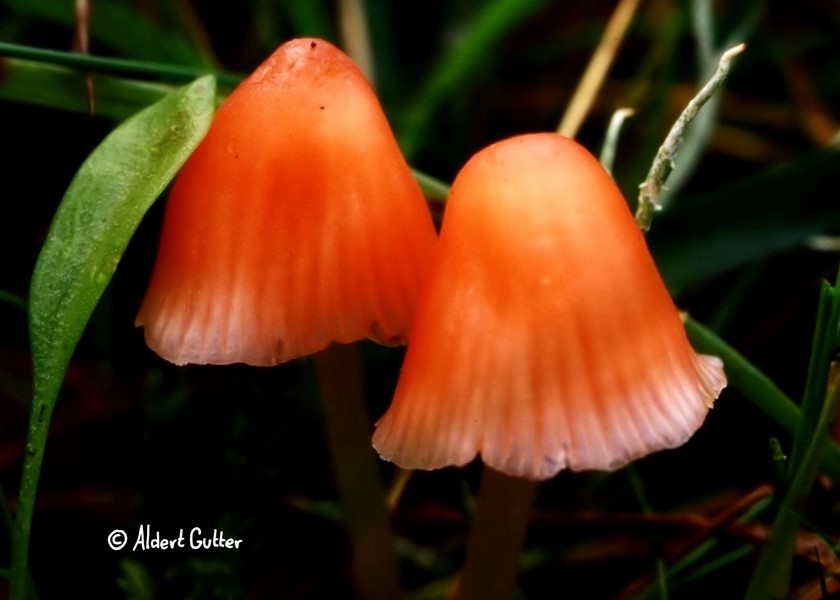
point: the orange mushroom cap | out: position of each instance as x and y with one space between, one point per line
295 223
545 338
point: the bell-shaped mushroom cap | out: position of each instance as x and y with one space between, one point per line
545 338
295 223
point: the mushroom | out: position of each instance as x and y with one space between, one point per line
294 224
545 338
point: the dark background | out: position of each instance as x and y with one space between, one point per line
135 440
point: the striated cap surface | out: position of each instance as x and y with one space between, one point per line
545 339
296 222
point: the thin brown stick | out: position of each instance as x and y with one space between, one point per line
813 112
355 37
81 44
723 521
597 68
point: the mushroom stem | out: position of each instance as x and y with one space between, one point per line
356 472
495 543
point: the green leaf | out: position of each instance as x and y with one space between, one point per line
773 573
434 189
99 213
772 212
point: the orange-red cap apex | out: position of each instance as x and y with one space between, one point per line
545 339
295 223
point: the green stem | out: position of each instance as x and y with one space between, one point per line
356 470
434 189
114 65
703 559
814 402
771 579
20 583
5 520
498 531
641 496
62 88
757 387
12 300
607 156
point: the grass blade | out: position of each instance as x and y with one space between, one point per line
99 213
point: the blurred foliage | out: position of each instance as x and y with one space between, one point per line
748 234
